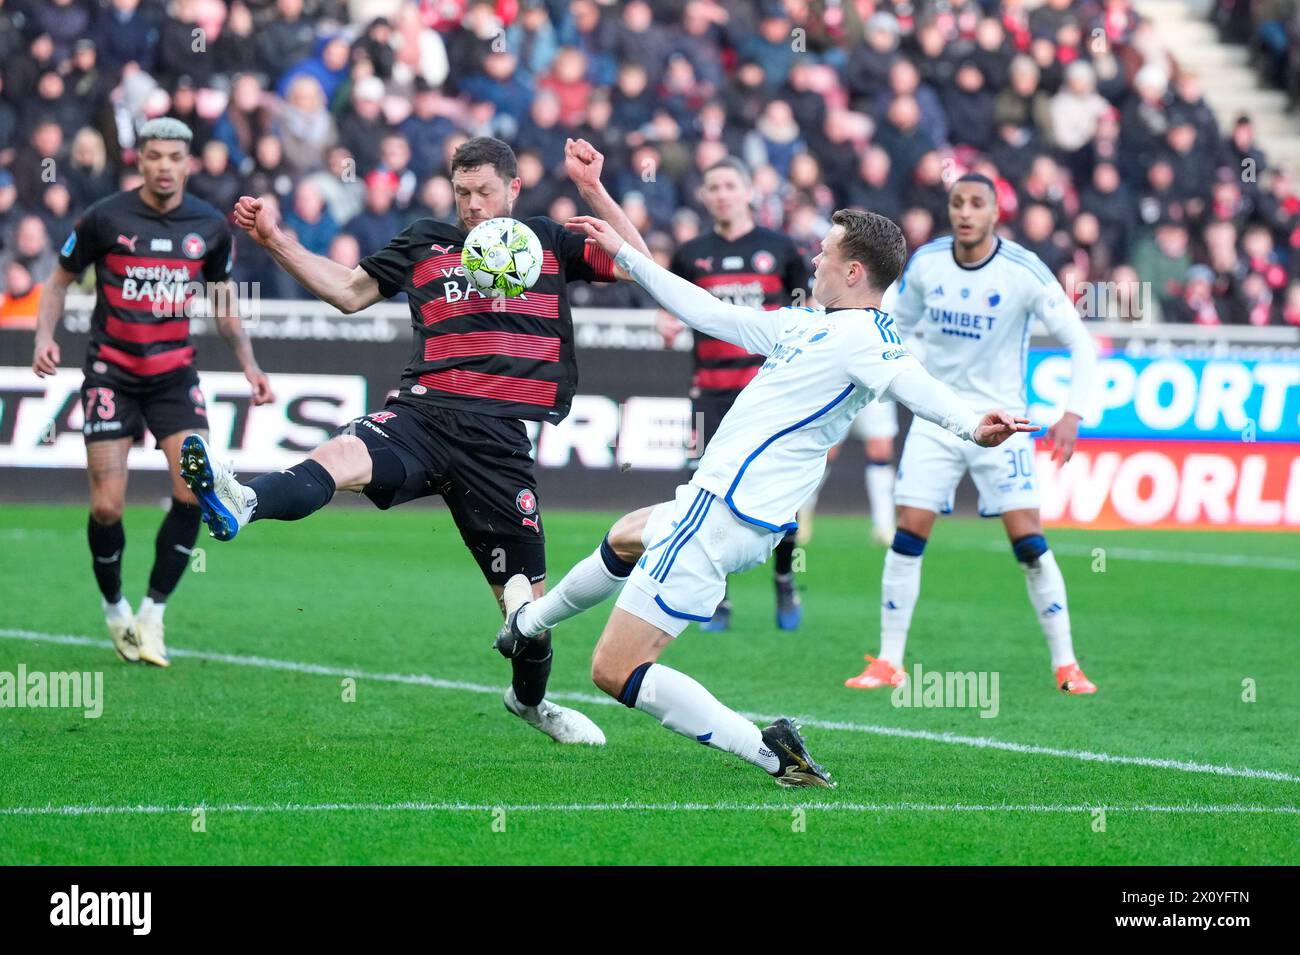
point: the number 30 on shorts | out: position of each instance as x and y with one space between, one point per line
1021 461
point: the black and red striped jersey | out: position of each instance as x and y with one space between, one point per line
508 357
148 265
761 269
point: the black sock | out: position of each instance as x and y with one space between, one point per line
531 669
293 494
785 556
172 549
107 542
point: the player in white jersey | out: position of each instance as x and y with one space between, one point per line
972 297
764 460
876 426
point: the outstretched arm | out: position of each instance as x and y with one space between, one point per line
929 398
584 164
348 290
753 329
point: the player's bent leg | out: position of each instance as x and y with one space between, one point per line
625 666
343 462
106 470
1046 588
592 581
173 546
682 578
530 656
900 587
530 615
347 459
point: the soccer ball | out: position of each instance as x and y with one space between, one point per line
502 257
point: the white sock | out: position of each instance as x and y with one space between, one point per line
150 609
120 609
684 706
900 586
589 583
880 493
1047 594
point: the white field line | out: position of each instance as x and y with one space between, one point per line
419 679
460 807
1253 561
1147 555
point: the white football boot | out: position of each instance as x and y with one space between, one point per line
558 722
149 629
226 505
121 627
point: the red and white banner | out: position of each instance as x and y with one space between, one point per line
1212 485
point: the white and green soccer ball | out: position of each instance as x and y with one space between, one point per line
502 257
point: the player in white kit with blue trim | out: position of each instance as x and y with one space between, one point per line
767 456
971 297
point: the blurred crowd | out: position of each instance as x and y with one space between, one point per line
1272 30
1109 164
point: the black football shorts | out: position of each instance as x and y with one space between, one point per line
481 466
168 406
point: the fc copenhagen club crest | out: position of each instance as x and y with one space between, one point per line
764 261
193 246
526 501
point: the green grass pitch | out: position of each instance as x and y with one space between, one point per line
425 766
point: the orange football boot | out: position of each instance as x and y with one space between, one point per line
1070 679
879 673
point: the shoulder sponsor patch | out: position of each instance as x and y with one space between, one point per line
69 243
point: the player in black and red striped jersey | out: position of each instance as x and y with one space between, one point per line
478 365
745 264
154 249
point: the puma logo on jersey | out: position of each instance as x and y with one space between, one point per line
129 243
441 248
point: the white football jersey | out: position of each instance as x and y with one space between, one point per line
974 322
770 451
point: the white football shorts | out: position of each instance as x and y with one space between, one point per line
877 419
935 459
692 544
